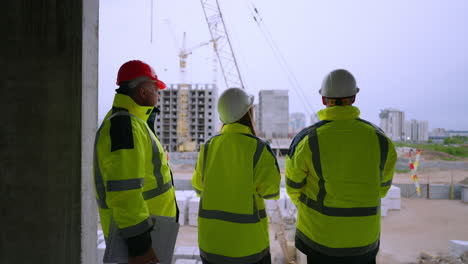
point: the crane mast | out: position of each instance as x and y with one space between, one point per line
223 47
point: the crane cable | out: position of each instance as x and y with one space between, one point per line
291 77
280 58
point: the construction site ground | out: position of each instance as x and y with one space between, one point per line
431 175
420 226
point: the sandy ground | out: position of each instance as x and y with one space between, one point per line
420 226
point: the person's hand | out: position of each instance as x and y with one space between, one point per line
148 258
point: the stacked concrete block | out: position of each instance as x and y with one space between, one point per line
289 215
458 247
392 201
183 198
101 246
300 257
395 204
100 237
189 193
384 207
182 202
193 206
290 208
271 207
182 254
464 193
283 202
186 261
283 207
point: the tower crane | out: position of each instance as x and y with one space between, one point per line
223 48
185 142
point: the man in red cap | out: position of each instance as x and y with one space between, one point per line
133 180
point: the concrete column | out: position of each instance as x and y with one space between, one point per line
89 122
48 88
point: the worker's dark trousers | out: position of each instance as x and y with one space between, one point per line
314 257
264 260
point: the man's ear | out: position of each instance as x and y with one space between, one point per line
324 101
141 92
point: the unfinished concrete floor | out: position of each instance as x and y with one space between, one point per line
422 225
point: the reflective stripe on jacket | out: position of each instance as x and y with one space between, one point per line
235 172
336 172
131 173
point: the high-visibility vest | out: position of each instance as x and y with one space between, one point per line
131 174
336 172
235 172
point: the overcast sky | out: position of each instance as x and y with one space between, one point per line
406 54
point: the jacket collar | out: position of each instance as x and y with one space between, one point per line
339 113
126 102
235 128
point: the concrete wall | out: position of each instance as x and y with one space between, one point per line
45 133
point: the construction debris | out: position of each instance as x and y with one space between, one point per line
464 182
426 258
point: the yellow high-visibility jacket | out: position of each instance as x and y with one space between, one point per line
132 177
234 173
336 172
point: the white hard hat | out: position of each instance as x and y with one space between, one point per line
233 104
339 84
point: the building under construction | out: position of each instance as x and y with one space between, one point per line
201 117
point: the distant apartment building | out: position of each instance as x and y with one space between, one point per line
438 135
439 132
202 115
297 122
273 113
256 117
461 133
314 118
417 131
392 122
423 130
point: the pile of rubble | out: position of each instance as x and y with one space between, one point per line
426 258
